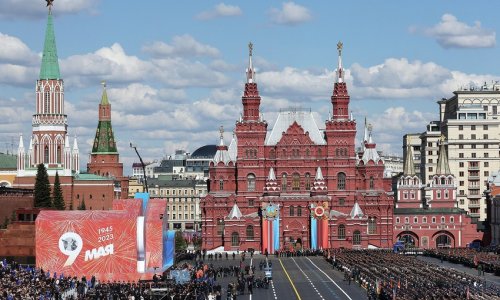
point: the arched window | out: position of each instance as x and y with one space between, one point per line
296 182
46 154
442 219
308 181
283 183
299 211
46 103
341 232
356 237
59 154
251 182
221 184
319 152
250 235
235 239
372 225
341 181
308 152
220 225
57 100
292 211
452 220
372 183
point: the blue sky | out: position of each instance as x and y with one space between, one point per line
175 69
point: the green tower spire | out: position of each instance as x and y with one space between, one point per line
50 63
104 141
104 97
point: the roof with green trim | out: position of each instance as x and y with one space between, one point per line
50 63
8 161
88 176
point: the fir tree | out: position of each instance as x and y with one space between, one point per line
6 222
180 242
42 188
57 195
82 205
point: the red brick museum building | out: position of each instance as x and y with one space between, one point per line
299 186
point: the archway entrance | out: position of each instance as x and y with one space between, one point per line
409 238
443 241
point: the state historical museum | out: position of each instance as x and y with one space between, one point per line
297 186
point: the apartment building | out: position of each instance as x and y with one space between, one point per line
183 197
469 122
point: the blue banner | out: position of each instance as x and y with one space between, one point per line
276 234
145 198
314 234
168 248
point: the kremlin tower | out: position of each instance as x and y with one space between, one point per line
104 158
50 144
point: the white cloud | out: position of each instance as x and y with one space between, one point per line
142 98
29 9
14 51
220 10
451 33
290 14
184 45
295 82
108 63
178 72
17 75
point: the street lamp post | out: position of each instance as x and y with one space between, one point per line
143 167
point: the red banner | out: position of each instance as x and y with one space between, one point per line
99 243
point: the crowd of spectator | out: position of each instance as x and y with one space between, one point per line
387 275
203 282
483 259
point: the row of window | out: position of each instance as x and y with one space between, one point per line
295 182
473 173
165 192
180 207
235 236
179 216
473 127
424 220
474 146
295 152
473 136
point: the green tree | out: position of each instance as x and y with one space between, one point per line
42 188
57 195
82 205
180 242
6 222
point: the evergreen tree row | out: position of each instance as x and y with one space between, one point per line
43 198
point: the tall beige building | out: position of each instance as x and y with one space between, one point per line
469 121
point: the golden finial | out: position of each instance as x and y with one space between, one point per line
250 48
442 138
339 47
